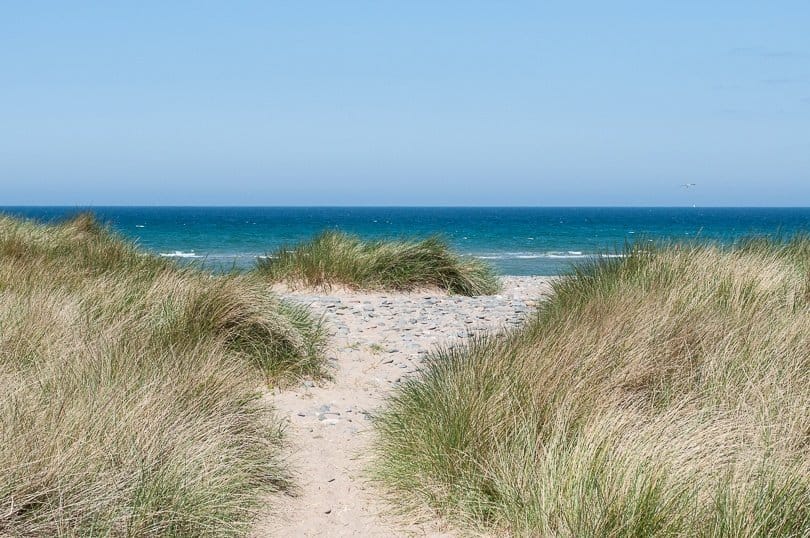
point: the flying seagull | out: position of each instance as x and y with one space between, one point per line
688 185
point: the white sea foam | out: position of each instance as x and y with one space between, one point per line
180 254
139 226
556 255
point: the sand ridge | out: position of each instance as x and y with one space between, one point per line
376 340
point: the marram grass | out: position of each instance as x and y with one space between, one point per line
335 258
665 394
129 402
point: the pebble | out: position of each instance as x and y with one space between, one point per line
409 326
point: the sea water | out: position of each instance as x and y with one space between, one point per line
515 240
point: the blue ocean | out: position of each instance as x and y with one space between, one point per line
517 241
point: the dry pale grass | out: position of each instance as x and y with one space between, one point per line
665 394
335 258
130 402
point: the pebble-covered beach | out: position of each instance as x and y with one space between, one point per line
376 340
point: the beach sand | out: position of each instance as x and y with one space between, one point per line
376 341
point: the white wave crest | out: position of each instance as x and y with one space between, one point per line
180 254
554 255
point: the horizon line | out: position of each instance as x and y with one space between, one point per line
401 206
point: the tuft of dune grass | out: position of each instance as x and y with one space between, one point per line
336 258
665 394
130 402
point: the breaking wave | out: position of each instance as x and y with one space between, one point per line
567 255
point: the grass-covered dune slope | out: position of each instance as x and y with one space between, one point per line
335 258
666 394
129 401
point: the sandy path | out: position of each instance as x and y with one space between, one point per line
376 341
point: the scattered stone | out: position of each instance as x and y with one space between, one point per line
406 328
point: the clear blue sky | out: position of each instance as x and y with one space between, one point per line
406 103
